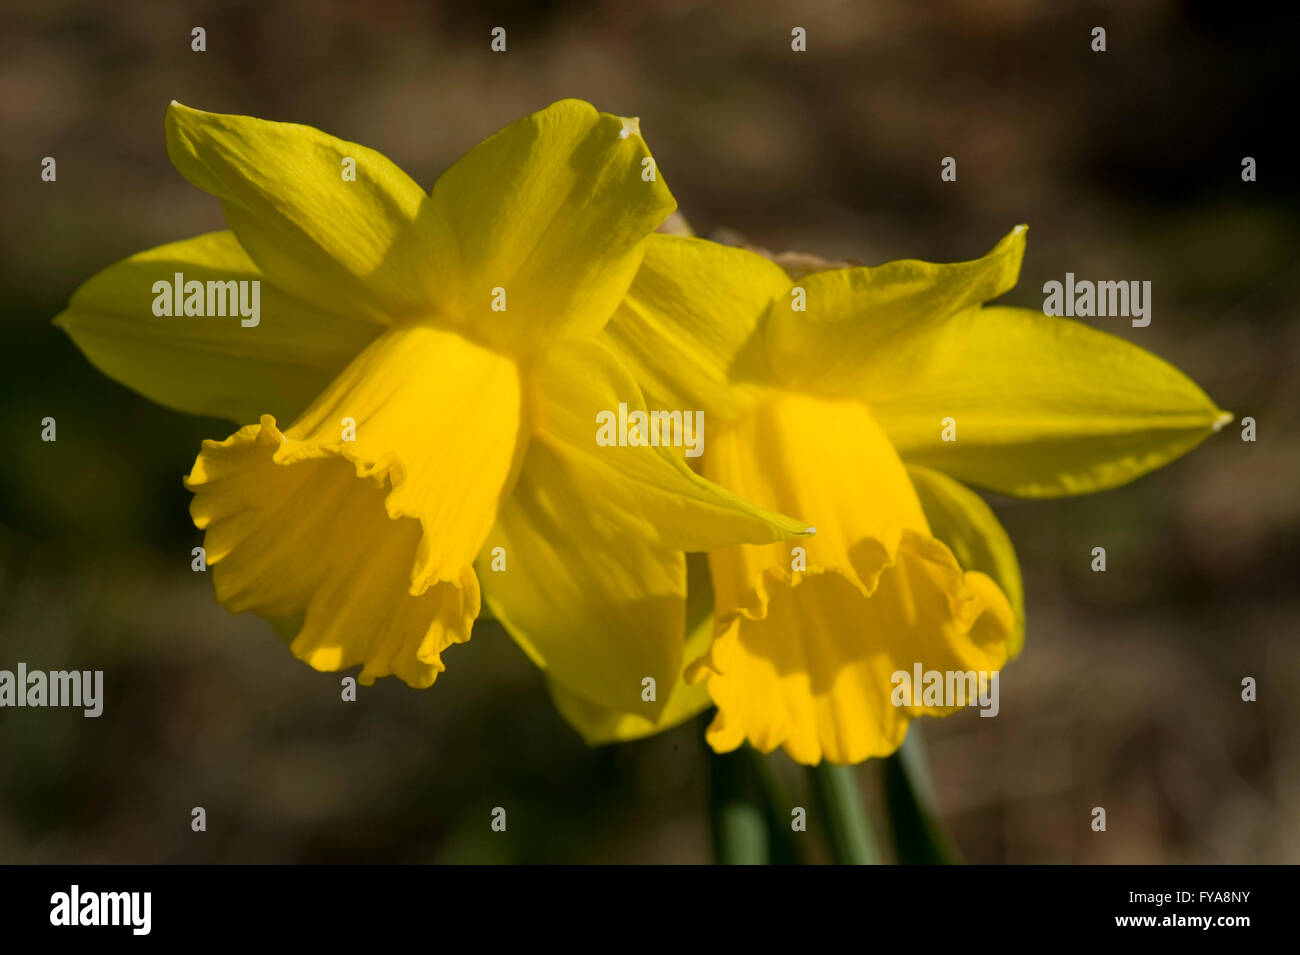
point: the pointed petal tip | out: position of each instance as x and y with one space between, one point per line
631 126
1224 419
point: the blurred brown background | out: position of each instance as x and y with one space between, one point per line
1125 164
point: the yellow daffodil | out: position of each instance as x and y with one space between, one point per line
437 355
860 399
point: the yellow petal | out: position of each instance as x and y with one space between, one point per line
358 247
387 485
687 327
553 211
865 329
1041 406
815 675
960 518
820 458
594 534
210 365
307 539
598 609
805 651
446 417
650 490
602 724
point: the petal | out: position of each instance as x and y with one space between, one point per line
815 674
823 458
210 365
303 539
962 520
553 210
598 609
593 537
357 247
650 490
1042 406
865 328
595 533
806 643
382 492
687 328
445 417
602 724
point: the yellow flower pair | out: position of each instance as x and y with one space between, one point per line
442 360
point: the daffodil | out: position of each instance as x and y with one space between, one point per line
437 355
864 400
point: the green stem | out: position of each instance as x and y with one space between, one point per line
740 829
919 838
847 827
751 810
781 837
